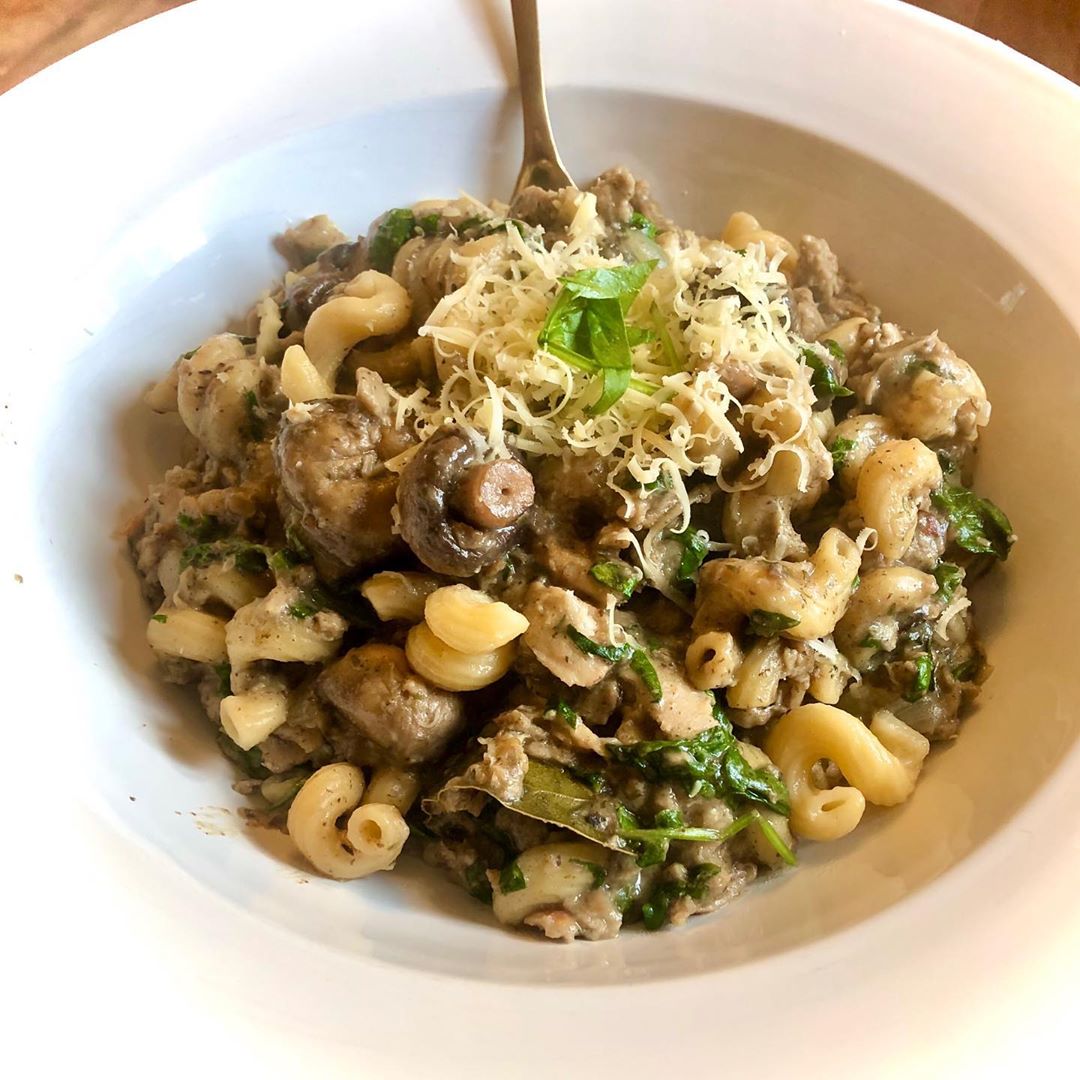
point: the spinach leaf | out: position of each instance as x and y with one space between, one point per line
652 842
948 577
923 679
429 224
976 524
823 382
396 227
248 557
709 764
599 874
255 424
511 878
311 602
202 529
654 911
640 222
695 545
642 666
769 623
159 618
224 674
613 654
840 449
616 576
566 714
477 884
775 840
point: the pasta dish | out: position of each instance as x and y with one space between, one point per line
596 562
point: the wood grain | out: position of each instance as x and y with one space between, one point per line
36 33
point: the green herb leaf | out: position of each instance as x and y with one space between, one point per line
642 666
640 222
769 623
948 576
567 715
396 227
255 425
870 642
924 678
695 545
775 839
976 524
616 576
599 874
311 602
224 674
613 654
823 382
477 884
586 327
247 557
159 617
708 764
834 349
429 224
202 529
279 791
511 878
654 912
249 762
840 449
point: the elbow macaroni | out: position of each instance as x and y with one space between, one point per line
470 621
396 595
743 229
450 669
554 874
881 763
712 660
894 482
372 839
189 634
249 718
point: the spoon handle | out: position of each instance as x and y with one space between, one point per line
540 163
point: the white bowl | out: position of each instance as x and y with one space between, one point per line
143 180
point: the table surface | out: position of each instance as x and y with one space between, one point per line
36 33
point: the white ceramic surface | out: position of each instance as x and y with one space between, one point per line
142 180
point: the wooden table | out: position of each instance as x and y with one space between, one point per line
36 33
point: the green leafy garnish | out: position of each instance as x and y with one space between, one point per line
642 666
511 878
201 529
965 672
695 545
586 327
924 678
249 762
652 842
396 227
977 525
566 714
616 576
599 874
654 912
770 623
477 884
870 642
638 659
283 560
824 382
840 449
710 764
159 617
776 841
255 425
248 557
834 349
640 222
224 674
311 602
666 344
429 224
279 791
948 577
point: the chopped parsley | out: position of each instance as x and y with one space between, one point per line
772 623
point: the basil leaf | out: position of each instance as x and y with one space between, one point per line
396 227
976 524
769 623
616 576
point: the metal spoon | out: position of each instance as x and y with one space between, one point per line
540 164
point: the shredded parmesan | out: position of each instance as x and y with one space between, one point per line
720 307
